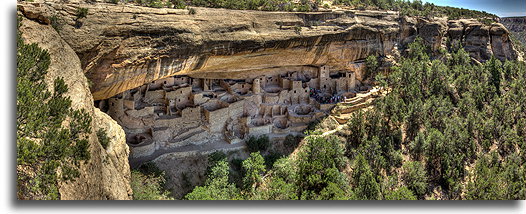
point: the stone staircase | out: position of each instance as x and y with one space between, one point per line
342 113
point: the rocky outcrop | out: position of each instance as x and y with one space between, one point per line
122 47
482 41
514 24
107 174
517 27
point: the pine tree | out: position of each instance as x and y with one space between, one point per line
366 186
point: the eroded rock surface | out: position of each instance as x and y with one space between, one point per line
122 47
107 174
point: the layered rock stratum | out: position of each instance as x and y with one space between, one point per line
122 47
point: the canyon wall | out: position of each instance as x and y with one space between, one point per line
106 175
122 47
517 28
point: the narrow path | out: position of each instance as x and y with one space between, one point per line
359 100
215 145
332 131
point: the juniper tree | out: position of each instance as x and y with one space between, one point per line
44 145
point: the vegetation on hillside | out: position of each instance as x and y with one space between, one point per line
147 183
415 8
453 115
411 8
448 129
47 151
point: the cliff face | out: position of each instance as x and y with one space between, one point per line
107 174
517 27
123 47
514 24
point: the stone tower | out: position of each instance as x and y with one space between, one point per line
256 86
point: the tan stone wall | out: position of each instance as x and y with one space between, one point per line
147 111
256 86
285 84
181 92
200 99
241 87
128 104
217 119
260 130
262 81
324 71
341 85
172 122
294 118
271 98
130 122
352 80
180 80
116 107
154 96
197 83
192 113
284 97
142 151
162 135
155 85
236 108
327 84
299 95
137 96
168 81
314 83
297 85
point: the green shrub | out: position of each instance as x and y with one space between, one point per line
148 186
278 189
487 182
415 177
271 158
216 185
297 29
104 140
81 13
402 193
155 3
291 142
191 11
179 4
259 144
214 158
253 169
285 168
56 23
367 187
319 169
371 64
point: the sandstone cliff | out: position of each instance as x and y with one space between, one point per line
123 47
517 27
107 174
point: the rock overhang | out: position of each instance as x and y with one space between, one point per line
123 47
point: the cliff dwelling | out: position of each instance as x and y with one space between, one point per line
178 111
